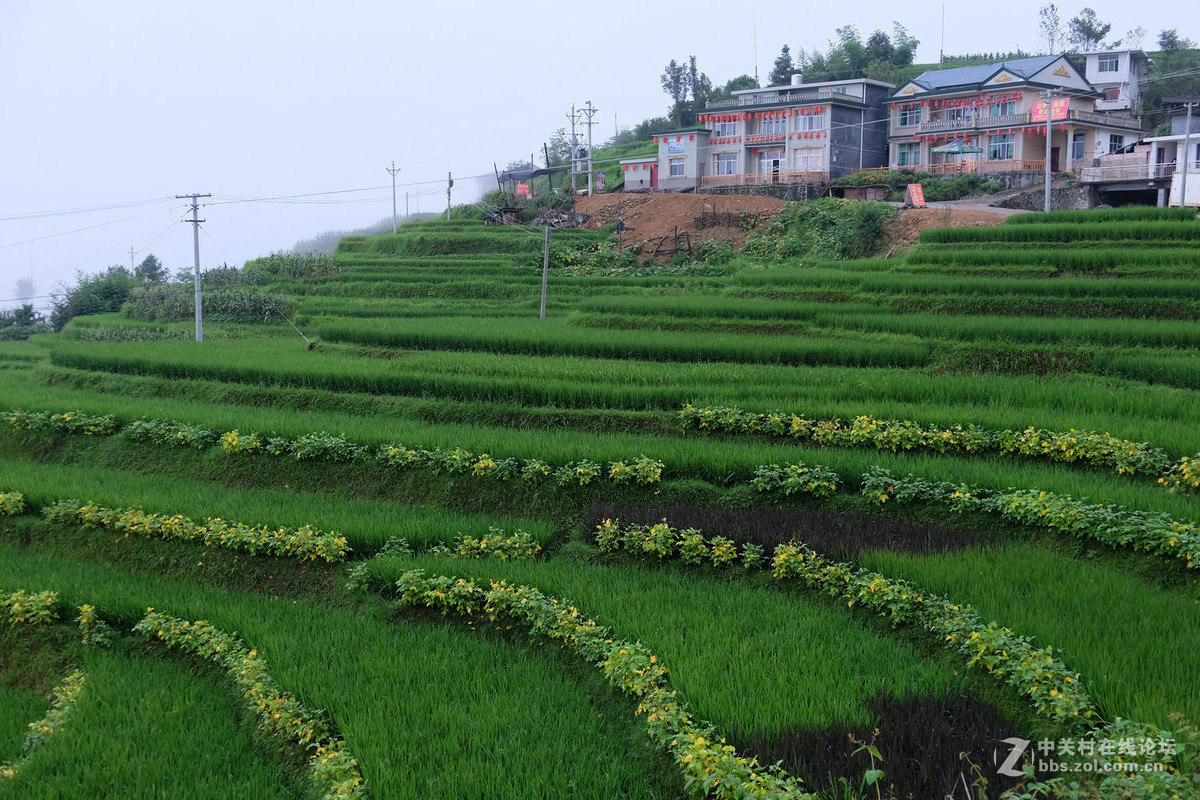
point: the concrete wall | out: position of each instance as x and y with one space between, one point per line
1066 197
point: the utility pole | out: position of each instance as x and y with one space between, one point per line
449 184
393 170
1187 144
132 268
406 205
574 149
195 220
545 271
590 111
1049 95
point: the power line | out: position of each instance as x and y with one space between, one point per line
76 230
83 210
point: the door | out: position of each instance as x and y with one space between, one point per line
654 176
1054 159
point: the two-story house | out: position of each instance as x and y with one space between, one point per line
995 115
799 133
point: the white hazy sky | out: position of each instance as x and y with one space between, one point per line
124 104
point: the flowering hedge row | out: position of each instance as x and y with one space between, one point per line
65 697
1149 531
796 478
331 765
12 503
663 541
515 546
322 446
1054 690
709 765
29 608
305 542
1103 450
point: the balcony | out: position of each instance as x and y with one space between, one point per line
763 178
767 138
1127 172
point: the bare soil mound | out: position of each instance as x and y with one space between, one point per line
706 216
700 216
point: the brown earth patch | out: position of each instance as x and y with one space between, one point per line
651 216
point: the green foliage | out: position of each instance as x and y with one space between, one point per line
92 294
18 324
937 188
827 228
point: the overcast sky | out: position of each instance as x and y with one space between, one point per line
124 104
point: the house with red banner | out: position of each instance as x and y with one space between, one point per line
997 118
794 134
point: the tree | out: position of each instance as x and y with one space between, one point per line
94 294
1051 28
1133 37
781 71
1169 41
151 270
21 323
675 81
1086 31
879 48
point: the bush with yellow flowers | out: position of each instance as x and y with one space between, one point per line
305 542
12 504
331 766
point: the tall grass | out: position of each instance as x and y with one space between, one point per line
1068 232
1128 214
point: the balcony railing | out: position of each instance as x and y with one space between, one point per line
783 99
1013 121
766 138
761 178
960 167
1132 172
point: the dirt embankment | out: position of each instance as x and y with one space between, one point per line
700 216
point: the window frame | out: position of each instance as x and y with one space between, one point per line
1001 147
677 161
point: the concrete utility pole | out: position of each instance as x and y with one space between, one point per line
590 111
574 149
1187 144
195 220
545 271
1049 95
393 171
449 185
131 266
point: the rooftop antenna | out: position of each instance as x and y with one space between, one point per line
756 53
942 50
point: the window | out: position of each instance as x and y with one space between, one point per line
1112 93
1002 109
960 113
1078 146
1116 143
775 125
1000 148
726 164
1107 63
727 128
809 159
810 122
909 117
677 166
908 154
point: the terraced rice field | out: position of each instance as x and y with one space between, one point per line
839 530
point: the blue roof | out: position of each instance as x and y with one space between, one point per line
936 79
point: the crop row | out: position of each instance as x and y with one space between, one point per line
710 766
1068 232
1035 672
305 543
64 698
839 280
555 337
1121 456
331 766
1055 690
1163 413
324 446
1127 214
1112 525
